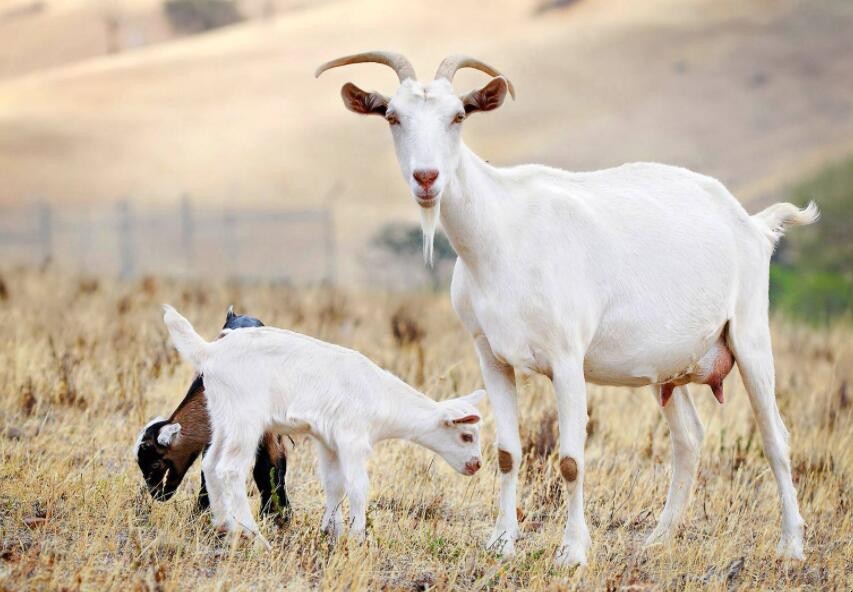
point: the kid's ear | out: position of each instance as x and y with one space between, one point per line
467 419
474 397
168 434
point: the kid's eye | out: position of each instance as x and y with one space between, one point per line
467 438
392 119
460 117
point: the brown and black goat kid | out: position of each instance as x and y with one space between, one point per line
167 448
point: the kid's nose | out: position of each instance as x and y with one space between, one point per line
472 466
425 177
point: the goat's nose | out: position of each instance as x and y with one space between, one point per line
472 466
425 177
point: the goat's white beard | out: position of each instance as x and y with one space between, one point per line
429 223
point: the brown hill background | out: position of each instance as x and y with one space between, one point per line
755 93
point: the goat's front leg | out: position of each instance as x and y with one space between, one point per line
353 465
214 490
231 470
570 388
333 485
685 434
500 384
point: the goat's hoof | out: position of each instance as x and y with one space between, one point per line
502 544
571 555
260 544
790 547
658 537
331 533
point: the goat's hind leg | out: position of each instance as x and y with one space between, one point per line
750 343
685 433
240 446
334 486
220 518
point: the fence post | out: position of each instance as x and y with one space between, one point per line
125 239
45 230
187 232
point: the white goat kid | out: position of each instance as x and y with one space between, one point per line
626 276
264 379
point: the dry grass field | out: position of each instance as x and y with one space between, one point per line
84 363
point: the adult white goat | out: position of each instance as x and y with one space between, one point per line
626 276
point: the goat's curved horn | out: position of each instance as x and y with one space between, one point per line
397 61
451 64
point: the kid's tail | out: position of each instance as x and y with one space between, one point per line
188 343
775 219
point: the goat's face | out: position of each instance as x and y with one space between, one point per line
426 125
425 120
457 436
167 448
161 459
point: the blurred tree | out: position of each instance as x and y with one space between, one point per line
197 16
405 242
812 274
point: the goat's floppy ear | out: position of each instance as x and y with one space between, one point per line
488 98
363 102
168 434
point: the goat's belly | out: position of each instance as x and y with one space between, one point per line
633 365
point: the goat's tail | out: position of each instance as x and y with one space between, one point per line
189 344
775 219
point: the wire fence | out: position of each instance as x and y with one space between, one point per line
127 239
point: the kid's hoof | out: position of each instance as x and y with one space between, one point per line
658 537
501 544
261 545
790 548
572 555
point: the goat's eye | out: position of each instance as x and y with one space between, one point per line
460 117
392 119
467 438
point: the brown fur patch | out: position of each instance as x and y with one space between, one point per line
275 446
504 461
665 393
569 468
195 430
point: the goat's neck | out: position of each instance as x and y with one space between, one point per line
470 210
407 416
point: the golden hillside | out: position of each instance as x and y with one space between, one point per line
755 93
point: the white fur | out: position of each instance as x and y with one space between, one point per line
623 276
270 380
168 434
